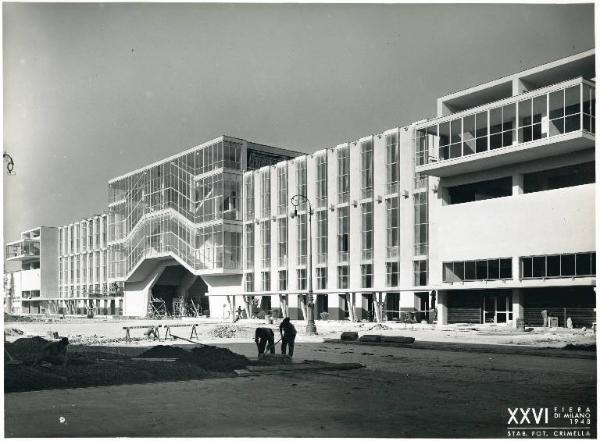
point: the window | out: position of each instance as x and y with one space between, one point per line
367 230
564 110
560 265
321 236
266 280
282 244
301 275
282 201
366 275
301 235
391 273
343 276
249 196
249 282
502 126
589 109
366 168
532 113
420 272
232 155
265 241
479 191
343 158
485 269
421 239
265 192
321 162
321 278
343 233
301 182
392 164
562 177
282 280
392 227
249 236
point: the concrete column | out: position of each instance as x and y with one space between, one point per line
517 184
442 307
518 302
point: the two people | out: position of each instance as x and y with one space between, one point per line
265 338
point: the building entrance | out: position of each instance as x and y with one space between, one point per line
177 292
496 308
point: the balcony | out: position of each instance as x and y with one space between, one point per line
23 250
554 120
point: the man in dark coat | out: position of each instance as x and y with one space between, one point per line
288 335
264 337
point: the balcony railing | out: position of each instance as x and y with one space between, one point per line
23 249
540 114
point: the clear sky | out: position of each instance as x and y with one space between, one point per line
92 91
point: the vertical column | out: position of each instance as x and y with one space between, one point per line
517 184
379 210
332 177
354 214
518 301
442 308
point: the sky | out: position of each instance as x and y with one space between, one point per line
92 91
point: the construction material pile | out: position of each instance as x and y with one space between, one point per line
231 331
210 358
89 366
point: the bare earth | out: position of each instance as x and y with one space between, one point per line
402 392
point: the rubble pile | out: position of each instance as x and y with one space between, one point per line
231 331
210 358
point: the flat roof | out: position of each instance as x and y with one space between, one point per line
251 144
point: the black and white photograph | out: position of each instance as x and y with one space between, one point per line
299 220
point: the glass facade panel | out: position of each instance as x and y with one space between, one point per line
366 168
343 158
343 234
392 163
321 164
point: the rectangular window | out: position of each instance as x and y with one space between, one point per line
569 176
282 244
265 241
301 275
479 191
266 280
282 280
366 168
321 278
392 227
366 273
249 236
249 196
367 230
486 269
343 233
343 277
282 201
421 223
321 236
265 192
301 182
249 282
301 235
392 163
562 265
343 160
420 272
321 163
391 273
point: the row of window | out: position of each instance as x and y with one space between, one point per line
343 277
82 236
532 267
343 163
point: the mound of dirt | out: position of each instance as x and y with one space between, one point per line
26 349
379 326
210 358
580 347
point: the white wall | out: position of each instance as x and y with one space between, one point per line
30 280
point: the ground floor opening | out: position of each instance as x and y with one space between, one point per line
178 293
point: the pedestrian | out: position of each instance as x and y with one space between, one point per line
288 335
55 352
264 338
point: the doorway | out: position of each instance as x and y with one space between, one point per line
496 308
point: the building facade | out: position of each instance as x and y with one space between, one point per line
35 284
482 214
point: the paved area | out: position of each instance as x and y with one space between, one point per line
402 392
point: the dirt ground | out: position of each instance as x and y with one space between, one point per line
402 392
110 332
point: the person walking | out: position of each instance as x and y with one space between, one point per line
288 335
264 338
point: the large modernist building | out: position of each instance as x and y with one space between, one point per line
484 213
